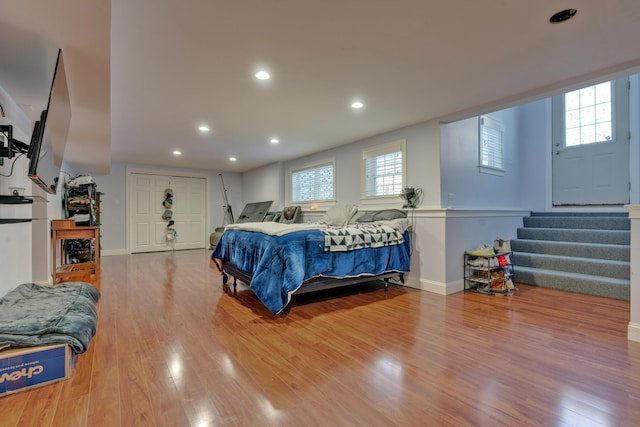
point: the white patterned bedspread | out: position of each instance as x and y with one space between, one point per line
363 235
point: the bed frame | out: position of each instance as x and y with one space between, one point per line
313 284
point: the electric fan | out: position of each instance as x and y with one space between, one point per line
409 196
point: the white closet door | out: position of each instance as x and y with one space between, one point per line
189 212
148 229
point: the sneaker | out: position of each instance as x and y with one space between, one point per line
509 284
484 250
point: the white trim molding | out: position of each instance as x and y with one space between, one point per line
633 331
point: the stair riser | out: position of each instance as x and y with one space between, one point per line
582 285
612 252
606 268
593 223
582 214
617 237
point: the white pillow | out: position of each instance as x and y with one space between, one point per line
339 215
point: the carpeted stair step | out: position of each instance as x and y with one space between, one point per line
578 222
579 252
573 249
574 282
613 237
582 214
592 266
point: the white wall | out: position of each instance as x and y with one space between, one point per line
264 184
15 239
463 185
25 248
531 172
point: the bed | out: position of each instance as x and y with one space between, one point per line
280 260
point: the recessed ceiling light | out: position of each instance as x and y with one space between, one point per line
262 75
274 140
204 128
357 104
562 16
177 152
232 159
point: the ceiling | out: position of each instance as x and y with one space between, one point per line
144 74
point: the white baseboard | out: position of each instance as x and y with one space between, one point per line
426 285
110 252
633 332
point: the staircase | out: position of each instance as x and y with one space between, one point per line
587 253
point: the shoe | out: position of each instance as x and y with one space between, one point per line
509 284
484 250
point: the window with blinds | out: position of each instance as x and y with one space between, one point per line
491 144
313 183
384 169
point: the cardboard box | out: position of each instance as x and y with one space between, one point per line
27 367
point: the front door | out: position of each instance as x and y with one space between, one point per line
591 146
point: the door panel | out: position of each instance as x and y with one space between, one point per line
189 200
594 174
149 230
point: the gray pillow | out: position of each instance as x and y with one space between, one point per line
339 215
382 215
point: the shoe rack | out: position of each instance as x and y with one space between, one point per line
489 274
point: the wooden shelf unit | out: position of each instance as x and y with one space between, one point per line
63 230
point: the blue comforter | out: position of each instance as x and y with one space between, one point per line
280 264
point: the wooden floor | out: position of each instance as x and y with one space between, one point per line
173 349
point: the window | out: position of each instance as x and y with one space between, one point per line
590 115
587 115
491 146
384 169
312 183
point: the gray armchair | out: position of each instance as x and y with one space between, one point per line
291 215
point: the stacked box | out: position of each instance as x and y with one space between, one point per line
27 367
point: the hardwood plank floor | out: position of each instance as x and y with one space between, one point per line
174 349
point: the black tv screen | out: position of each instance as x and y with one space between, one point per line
49 140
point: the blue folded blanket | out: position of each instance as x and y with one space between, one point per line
33 315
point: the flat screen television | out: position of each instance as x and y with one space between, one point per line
49 138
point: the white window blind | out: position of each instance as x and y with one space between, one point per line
383 169
313 183
491 144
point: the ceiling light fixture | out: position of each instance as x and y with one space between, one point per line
232 159
357 104
562 16
262 75
274 140
204 128
177 152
